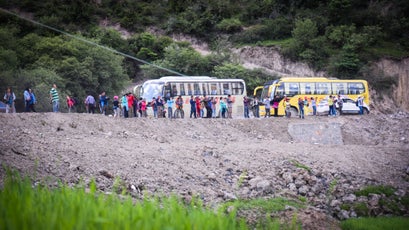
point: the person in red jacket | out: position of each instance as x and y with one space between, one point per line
130 98
197 100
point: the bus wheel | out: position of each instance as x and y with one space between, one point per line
293 112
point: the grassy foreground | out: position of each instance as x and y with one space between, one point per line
379 223
26 207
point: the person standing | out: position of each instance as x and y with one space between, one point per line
229 107
143 108
90 102
116 106
267 105
340 104
256 105
159 105
27 99
223 107
198 104
246 104
331 106
70 103
103 102
301 107
169 104
214 102
125 107
32 102
361 104
154 107
192 107
10 97
276 101
314 106
54 98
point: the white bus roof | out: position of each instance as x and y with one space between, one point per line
191 79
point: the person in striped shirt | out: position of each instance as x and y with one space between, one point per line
54 98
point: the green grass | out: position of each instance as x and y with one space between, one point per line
26 207
376 189
380 223
299 165
265 205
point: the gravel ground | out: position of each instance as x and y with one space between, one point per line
203 157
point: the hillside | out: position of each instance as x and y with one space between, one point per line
215 159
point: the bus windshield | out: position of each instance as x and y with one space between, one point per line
151 89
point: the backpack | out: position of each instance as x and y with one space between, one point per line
356 103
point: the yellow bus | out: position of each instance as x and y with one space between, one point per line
318 88
187 86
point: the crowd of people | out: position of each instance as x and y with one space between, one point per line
129 105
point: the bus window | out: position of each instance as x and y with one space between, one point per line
356 88
226 88
197 89
323 88
339 88
213 89
280 90
307 88
189 89
174 91
205 88
166 91
182 89
237 88
291 89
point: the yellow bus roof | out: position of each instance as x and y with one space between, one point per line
314 79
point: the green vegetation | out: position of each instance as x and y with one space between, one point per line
340 37
380 223
25 207
379 189
361 209
299 165
264 205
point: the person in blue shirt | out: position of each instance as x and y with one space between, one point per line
124 104
170 103
192 107
32 101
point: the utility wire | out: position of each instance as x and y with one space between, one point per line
90 42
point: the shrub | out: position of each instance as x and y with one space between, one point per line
379 189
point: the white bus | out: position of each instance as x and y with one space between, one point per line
187 86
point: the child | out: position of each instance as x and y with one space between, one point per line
116 106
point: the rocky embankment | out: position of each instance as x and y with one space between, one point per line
223 159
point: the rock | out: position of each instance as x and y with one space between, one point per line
292 187
373 199
299 182
303 190
212 176
343 215
253 182
229 196
288 178
316 189
264 186
335 203
349 199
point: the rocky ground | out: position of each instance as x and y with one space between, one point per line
218 159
